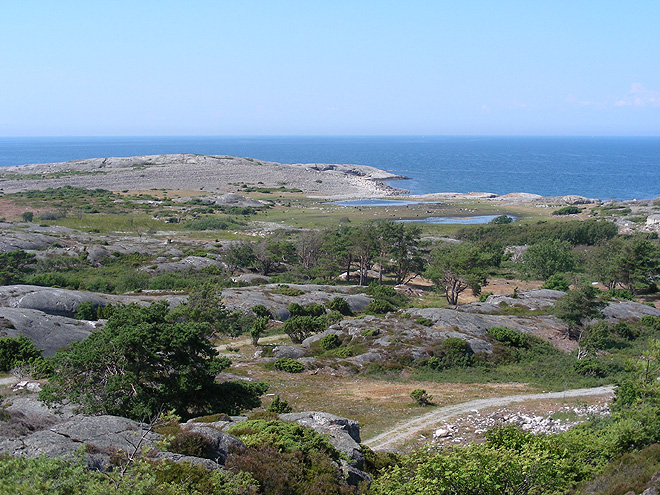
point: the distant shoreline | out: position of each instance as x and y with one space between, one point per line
224 174
606 168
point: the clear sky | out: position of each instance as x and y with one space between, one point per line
329 67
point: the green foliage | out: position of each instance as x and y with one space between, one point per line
502 220
455 268
510 462
578 306
556 282
421 397
279 406
191 443
386 293
58 476
14 266
301 472
629 473
27 216
548 258
567 210
454 352
651 322
213 223
509 337
55 279
298 328
258 329
289 365
88 310
141 362
339 304
379 307
296 309
329 342
285 290
624 294
262 311
283 436
16 351
587 232
424 321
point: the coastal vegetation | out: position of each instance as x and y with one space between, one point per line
385 288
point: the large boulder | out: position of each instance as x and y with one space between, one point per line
48 332
626 310
222 444
343 433
245 298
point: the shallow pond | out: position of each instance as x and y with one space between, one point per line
476 219
376 202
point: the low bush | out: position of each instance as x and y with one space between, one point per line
191 443
285 290
329 342
298 328
339 304
509 337
379 307
556 282
567 210
16 351
289 365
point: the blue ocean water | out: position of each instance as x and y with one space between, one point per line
599 167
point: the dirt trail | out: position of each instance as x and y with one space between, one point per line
404 431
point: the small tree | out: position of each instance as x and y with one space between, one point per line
548 258
258 328
144 361
578 307
27 216
453 269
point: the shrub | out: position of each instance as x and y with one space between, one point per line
424 321
298 328
296 309
289 365
279 406
285 290
379 307
262 311
501 220
567 210
87 310
651 322
16 351
421 397
339 304
329 342
191 443
484 295
620 294
27 216
509 337
590 367
314 309
556 282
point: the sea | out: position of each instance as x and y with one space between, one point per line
620 168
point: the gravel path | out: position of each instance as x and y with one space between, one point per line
404 431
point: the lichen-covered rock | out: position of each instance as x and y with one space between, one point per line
222 444
343 433
48 332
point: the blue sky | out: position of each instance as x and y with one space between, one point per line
285 67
